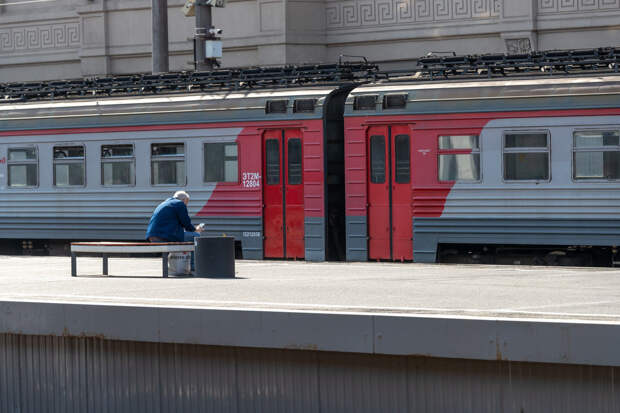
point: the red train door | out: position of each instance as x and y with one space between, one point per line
389 193
283 194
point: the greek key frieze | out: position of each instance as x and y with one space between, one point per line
52 36
567 6
353 13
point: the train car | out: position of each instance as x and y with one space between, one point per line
480 167
253 163
331 161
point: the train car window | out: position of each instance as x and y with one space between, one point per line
377 159
402 155
118 165
221 162
168 164
365 102
459 158
395 101
294 161
596 155
23 167
69 166
304 105
526 156
276 106
272 155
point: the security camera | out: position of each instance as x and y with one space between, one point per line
215 32
216 3
188 8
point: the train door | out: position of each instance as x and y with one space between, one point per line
283 194
389 193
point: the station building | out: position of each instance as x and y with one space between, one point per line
44 40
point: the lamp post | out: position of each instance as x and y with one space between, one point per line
160 35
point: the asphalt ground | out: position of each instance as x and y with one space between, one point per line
435 289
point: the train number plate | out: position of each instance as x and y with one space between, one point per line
250 179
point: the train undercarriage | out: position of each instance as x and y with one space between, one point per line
575 256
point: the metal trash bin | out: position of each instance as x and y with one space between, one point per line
214 257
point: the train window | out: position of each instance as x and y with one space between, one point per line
459 158
304 105
118 165
402 155
596 155
394 101
168 164
377 159
69 166
276 106
23 165
526 156
221 162
272 155
365 102
294 161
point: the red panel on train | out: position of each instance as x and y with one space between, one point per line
400 144
273 197
283 194
294 194
389 192
378 193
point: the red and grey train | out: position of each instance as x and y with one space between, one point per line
411 170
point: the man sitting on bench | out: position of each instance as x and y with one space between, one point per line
169 220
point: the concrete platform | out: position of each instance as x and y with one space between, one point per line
539 314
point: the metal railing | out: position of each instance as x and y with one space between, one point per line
428 68
187 82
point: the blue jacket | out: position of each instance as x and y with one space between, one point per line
168 221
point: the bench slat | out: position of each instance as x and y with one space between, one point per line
132 248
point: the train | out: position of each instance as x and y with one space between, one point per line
520 168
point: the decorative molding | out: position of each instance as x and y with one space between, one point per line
365 13
51 36
568 6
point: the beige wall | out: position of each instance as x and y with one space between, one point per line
73 38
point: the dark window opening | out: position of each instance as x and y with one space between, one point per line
168 164
377 159
220 162
22 167
276 106
526 156
117 165
367 102
402 154
272 155
596 155
294 161
69 166
304 105
394 101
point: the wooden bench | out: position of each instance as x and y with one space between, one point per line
118 248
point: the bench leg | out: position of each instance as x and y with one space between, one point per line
73 264
164 261
105 264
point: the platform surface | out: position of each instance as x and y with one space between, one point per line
463 290
548 315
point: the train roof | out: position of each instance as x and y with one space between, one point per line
216 106
467 95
